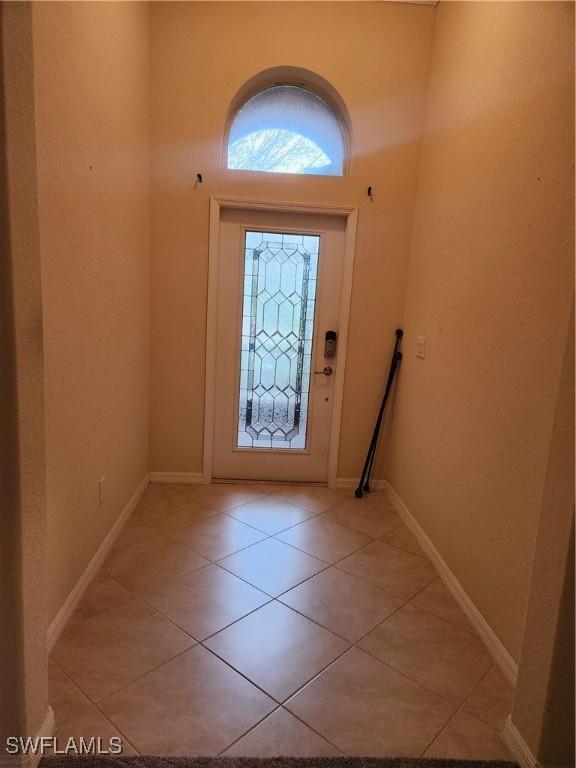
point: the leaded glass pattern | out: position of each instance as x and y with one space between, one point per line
280 273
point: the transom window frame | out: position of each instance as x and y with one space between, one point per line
298 78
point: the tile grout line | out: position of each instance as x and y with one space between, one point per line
354 644
282 703
328 565
158 532
252 727
446 724
95 702
267 536
473 691
313 515
103 610
96 706
272 598
460 709
242 674
296 717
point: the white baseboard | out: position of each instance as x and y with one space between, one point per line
188 478
520 750
30 760
491 640
352 482
59 622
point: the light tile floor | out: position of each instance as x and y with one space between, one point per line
267 620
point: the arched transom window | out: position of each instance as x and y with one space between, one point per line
286 129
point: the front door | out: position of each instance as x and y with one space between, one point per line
279 283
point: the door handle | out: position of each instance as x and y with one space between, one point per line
327 371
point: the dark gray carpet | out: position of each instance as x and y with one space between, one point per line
143 761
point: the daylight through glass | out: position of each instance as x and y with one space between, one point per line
280 272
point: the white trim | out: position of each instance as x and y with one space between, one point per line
29 760
491 640
186 478
211 325
237 203
520 750
351 215
345 301
59 621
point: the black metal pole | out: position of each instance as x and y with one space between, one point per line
365 481
364 484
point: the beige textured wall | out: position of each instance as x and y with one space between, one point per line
23 657
544 703
490 283
377 57
91 84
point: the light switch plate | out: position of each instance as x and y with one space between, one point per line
421 346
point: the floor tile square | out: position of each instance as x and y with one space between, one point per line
342 603
270 514
88 724
192 705
443 658
66 699
272 566
226 496
437 600
103 593
104 653
492 699
215 536
157 506
399 573
466 738
282 734
182 488
270 489
402 538
205 600
154 504
205 563
324 539
277 649
134 531
142 565
155 491
369 516
366 708
184 510
150 509
315 499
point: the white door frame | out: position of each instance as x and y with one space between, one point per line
217 204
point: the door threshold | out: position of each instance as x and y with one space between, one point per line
236 481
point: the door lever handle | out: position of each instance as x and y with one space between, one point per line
327 371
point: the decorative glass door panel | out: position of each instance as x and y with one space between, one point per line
280 274
279 281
